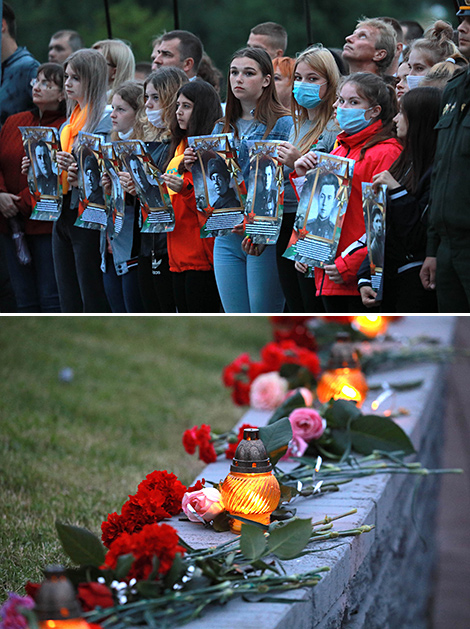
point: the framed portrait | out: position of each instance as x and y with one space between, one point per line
324 197
265 195
41 145
218 184
374 207
92 211
115 202
157 212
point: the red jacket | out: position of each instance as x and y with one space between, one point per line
11 154
186 249
351 253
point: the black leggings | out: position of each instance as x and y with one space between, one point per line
196 291
298 290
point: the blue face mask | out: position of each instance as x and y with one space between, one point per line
352 120
307 94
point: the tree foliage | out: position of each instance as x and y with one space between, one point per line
222 25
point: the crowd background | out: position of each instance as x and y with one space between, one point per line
364 119
223 27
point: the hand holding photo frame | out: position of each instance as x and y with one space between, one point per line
218 184
323 201
265 196
41 145
92 212
157 212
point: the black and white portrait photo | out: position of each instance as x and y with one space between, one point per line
326 196
147 188
220 178
266 195
92 181
46 178
377 237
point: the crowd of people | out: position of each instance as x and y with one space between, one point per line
395 99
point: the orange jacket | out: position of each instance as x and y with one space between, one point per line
186 249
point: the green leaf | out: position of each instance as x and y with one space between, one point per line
81 545
373 432
340 412
123 565
288 541
252 542
177 570
276 438
148 589
294 401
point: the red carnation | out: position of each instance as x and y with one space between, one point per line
241 393
190 440
32 589
200 484
154 540
239 366
112 528
168 485
93 595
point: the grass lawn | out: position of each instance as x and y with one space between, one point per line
74 451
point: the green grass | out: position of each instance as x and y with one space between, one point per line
75 451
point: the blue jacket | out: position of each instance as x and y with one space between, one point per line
15 88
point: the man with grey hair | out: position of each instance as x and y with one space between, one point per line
63 44
269 36
371 48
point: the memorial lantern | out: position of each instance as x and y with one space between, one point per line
57 605
343 378
250 490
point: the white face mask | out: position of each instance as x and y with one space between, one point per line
413 81
125 136
155 117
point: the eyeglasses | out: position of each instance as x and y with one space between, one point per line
44 84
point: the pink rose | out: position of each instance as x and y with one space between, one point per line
204 504
268 391
307 423
297 447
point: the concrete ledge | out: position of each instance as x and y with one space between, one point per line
381 579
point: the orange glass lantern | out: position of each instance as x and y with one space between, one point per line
371 325
250 490
343 379
57 605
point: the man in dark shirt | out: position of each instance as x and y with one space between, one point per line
218 173
19 67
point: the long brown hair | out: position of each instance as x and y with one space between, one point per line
268 109
421 108
376 92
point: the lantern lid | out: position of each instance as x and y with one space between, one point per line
251 456
56 598
343 353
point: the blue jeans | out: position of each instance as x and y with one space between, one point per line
246 283
34 284
122 291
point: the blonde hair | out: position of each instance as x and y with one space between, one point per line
440 73
437 44
166 80
119 55
133 93
322 61
90 66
